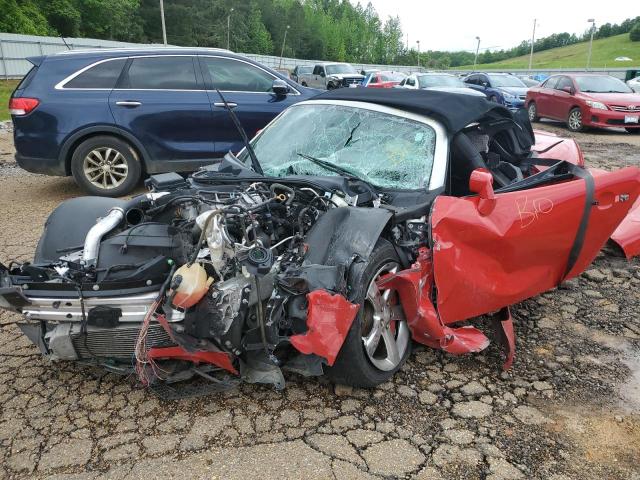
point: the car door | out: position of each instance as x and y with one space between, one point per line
318 77
562 98
162 101
489 253
544 97
248 90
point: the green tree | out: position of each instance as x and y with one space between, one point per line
259 40
634 34
23 17
63 16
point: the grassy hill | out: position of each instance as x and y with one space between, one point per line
575 56
6 88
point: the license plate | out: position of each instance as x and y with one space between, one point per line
631 118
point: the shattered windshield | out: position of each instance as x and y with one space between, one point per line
386 150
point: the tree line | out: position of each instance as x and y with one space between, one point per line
316 29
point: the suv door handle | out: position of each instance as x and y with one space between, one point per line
221 104
129 103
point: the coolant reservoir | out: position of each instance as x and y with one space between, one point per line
193 285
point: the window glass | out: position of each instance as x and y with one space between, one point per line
340 68
472 79
564 82
26 80
411 81
505 81
439 80
102 75
551 82
387 150
601 84
158 73
235 76
391 77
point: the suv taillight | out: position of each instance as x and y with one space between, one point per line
22 106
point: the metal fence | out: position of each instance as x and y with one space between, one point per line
15 48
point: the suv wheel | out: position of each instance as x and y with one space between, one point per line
574 121
533 112
106 166
379 340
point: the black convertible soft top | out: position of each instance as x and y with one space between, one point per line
454 110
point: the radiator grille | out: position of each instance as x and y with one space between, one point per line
117 342
626 108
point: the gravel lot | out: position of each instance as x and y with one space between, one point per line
569 408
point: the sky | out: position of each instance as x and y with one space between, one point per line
454 24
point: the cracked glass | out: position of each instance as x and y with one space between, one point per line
386 150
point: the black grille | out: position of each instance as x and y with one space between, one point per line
351 81
117 342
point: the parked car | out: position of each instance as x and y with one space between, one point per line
528 81
300 70
586 100
383 79
356 223
108 116
443 82
502 88
366 71
634 84
329 76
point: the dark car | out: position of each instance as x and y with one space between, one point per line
586 100
502 88
301 70
358 221
108 116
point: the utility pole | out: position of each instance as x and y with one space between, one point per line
475 60
593 28
282 49
418 42
229 29
533 39
164 27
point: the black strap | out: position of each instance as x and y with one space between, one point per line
583 173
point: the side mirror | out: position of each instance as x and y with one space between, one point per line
280 87
568 90
481 182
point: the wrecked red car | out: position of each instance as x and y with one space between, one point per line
354 223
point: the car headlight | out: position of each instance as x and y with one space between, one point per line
596 105
508 96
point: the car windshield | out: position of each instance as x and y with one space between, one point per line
385 150
505 81
339 68
601 84
305 69
439 81
391 77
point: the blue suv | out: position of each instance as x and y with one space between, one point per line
109 116
502 88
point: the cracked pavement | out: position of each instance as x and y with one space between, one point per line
569 408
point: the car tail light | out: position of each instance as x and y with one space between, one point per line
22 106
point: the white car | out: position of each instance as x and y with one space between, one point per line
443 82
634 84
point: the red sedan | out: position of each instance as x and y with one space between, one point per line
383 79
585 100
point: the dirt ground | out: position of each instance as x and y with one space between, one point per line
569 408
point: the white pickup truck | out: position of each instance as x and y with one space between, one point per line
327 76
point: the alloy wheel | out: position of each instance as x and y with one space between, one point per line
532 112
385 334
575 120
105 167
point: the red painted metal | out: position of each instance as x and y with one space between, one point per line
627 235
559 148
485 263
220 359
414 288
329 318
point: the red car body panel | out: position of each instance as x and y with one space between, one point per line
556 104
219 359
535 230
551 146
329 318
627 235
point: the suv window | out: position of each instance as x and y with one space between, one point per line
564 82
411 81
231 75
551 82
472 79
318 69
162 73
102 75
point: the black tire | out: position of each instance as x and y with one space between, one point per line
574 120
353 365
633 130
304 84
532 111
114 161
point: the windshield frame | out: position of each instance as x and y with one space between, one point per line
440 154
